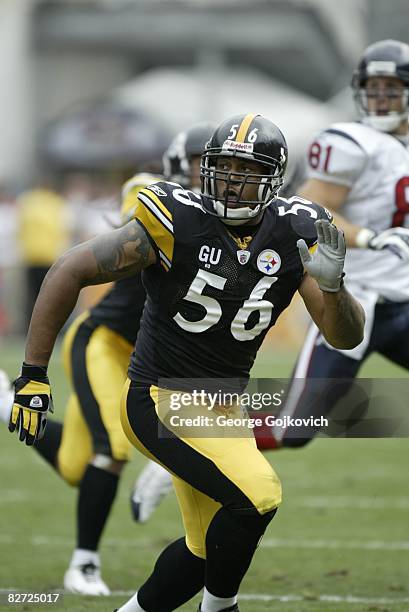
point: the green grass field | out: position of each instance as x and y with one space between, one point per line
339 542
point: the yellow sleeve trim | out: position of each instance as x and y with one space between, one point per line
152 196
159 228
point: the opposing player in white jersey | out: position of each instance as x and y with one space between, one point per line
360 172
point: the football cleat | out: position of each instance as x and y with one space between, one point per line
6 397
85 580
150 488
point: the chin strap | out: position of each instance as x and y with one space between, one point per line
237 216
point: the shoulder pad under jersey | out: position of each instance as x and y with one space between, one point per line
301 215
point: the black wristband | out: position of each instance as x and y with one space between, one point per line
34 372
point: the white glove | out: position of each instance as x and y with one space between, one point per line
326 264
396 239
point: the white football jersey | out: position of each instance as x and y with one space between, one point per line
375 166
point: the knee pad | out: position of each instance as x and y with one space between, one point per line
251 520
240 531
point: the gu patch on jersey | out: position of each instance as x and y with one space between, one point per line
209 255
269 262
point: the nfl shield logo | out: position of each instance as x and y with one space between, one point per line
243 257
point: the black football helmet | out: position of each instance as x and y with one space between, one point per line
250 137
184 146
386 58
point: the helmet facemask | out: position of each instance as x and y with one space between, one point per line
226 187
391 119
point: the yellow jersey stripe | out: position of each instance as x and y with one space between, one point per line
156 211
244 127
152 196
154 226
166 267
164 259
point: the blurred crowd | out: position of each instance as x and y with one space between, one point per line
38 224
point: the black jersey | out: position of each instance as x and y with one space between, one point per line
211 298
121 308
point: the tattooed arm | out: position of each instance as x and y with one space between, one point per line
339 316
108 257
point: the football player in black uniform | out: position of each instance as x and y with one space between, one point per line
218 269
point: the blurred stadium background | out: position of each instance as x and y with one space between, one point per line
94 90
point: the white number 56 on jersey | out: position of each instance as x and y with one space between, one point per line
213 308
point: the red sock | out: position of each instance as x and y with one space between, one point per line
264 436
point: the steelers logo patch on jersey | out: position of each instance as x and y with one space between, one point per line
269 262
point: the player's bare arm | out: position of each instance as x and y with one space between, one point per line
109 257
338 315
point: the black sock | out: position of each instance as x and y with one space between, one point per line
178 576
48 446
231 541
97 492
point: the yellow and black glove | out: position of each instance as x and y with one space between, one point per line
32 401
